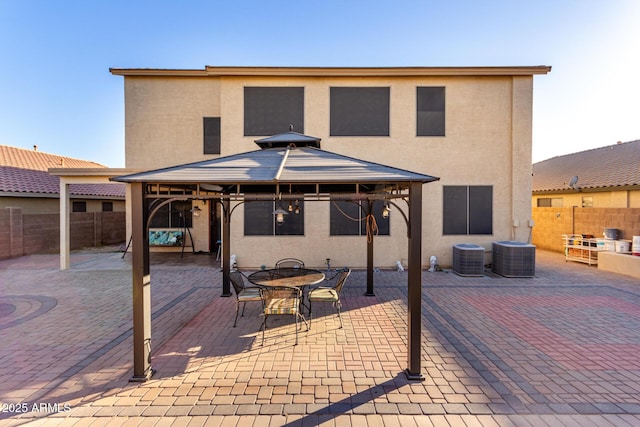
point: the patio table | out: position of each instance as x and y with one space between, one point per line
296 277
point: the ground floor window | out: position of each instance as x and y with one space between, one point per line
549 202
349 218
79 207
468 209
175 214
259 218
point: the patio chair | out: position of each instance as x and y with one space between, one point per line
289 263
329 293
243 293
282 300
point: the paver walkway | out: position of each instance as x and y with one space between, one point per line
562 348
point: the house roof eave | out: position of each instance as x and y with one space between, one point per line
223 71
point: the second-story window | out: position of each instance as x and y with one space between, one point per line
430 120
271 110
359 111
212 138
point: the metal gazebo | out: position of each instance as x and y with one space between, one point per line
288 166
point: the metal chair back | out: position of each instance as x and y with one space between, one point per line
237 281
243 293
290 263
329 294
341 279
281 300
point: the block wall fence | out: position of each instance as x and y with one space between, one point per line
27 234
552 223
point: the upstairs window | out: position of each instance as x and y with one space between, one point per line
271 110
359 111
211 133
431 112
468 210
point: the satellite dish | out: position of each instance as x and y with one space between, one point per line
573 181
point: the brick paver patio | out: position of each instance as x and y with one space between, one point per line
562 348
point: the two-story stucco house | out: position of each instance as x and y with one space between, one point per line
469 126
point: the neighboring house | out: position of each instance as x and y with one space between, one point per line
25 183
470 126
605 177
585 192
30 202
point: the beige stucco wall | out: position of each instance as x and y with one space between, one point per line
40 205
487 142
164 119
626 198
32 205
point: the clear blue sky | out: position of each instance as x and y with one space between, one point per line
56 90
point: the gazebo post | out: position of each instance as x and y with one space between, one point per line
226 247
414 291
141 281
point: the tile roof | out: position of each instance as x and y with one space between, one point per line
39 161
25 171
16 180
611 166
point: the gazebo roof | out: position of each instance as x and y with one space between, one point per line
285 165
287 139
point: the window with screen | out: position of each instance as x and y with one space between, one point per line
359 111
430 111
79 207
467 209
211 135
271 110
349 218
175 214
259 219
549 202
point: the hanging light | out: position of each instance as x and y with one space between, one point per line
297 208
290 208
280 213
386 211
195 211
